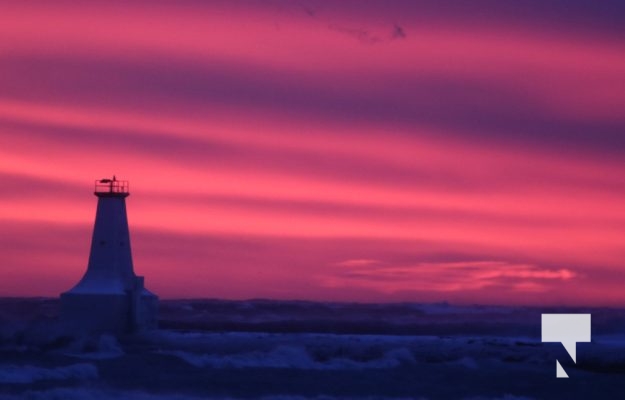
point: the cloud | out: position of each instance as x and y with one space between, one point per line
447 276
366 36
362 35
398 32
361 262
478 136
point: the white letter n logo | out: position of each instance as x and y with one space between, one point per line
567 329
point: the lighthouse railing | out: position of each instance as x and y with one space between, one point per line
111 186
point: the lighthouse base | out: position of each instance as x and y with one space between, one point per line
116 313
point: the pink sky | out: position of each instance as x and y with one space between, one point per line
392 151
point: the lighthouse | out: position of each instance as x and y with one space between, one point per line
110 297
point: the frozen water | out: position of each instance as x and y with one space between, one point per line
29 374
301 350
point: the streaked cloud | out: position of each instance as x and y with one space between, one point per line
446 276
358 262
479 156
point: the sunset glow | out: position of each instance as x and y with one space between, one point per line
387 151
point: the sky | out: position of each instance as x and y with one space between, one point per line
368 151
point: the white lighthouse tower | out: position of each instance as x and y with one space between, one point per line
110 297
